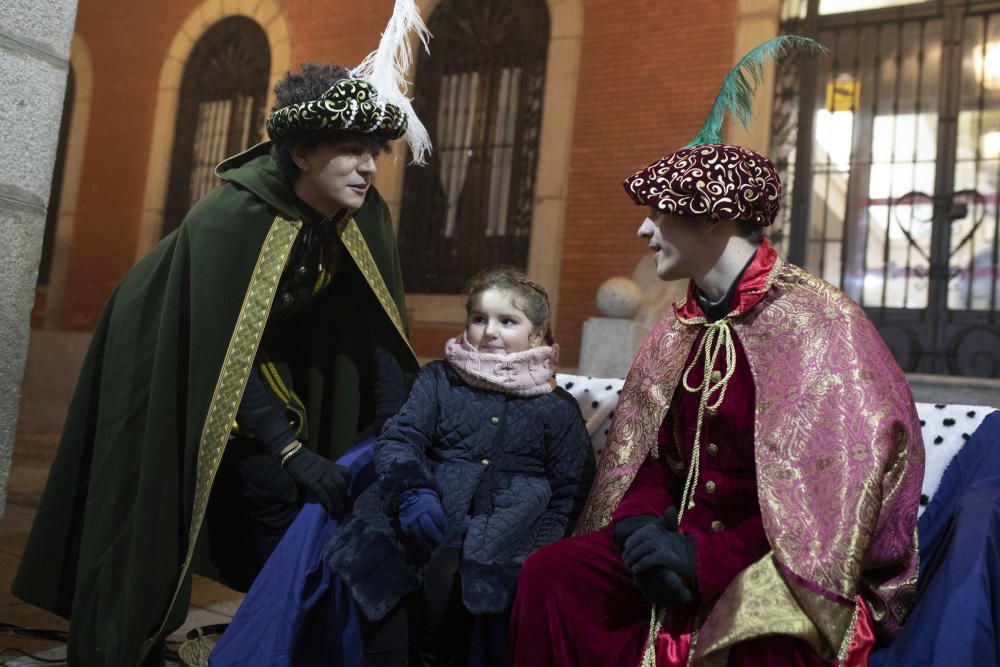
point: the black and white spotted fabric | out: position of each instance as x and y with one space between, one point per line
597 398
945 427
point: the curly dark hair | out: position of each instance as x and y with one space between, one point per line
313 80
753 233
528 295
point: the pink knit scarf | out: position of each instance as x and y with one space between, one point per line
528 373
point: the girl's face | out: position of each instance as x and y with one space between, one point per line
497 326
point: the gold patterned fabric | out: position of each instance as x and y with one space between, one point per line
355 243
720 181
232 378
348 105
839 461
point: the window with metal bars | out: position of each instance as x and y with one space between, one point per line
220 112
480 93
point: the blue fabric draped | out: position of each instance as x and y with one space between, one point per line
298 613
958 589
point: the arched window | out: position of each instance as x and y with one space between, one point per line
480 94
52 214
220 110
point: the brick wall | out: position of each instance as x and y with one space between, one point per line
648 73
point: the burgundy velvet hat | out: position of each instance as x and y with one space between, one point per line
720 181
709 177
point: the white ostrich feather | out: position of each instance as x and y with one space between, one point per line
385 69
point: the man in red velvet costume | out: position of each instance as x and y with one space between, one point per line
756 500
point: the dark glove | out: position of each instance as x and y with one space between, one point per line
663 588
323 479
422 518
625 527
658 544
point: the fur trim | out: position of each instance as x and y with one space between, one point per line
372 565
488 588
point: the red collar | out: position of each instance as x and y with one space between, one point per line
753 286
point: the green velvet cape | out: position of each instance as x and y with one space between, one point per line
111 547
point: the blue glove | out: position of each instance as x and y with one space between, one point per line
657 546
422 518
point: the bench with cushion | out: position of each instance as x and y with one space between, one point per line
945 427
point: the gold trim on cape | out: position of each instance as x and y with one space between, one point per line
232 379
350 235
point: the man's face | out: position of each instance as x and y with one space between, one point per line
335 175
676 241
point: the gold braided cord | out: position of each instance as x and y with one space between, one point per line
655 623
718 337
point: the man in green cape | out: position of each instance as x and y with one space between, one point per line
283 282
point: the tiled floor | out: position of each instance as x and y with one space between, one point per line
34 449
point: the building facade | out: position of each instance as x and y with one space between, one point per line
538 109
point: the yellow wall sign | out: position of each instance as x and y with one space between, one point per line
843 95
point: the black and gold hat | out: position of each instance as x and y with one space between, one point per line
348 105
372 99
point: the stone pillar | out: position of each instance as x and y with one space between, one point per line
610 342
35 38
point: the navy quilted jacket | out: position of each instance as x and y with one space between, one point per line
512 473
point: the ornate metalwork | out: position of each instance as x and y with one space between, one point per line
784 135
481 94
221 109
893 165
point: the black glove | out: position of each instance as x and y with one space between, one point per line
323 479
625 527
663 587
659 545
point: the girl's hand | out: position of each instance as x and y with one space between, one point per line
422 518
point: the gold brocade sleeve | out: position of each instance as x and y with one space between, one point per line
759 602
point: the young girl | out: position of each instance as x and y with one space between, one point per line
487 461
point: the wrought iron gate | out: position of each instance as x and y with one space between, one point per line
890 148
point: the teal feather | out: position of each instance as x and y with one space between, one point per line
737 92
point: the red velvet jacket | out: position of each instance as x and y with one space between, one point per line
725 519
